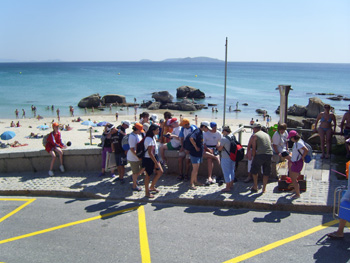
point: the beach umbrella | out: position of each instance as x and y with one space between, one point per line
8 135
102 123
88 123
43 127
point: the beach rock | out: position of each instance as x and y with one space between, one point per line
154 106
145 104
308 123
171 106
339 97
186 106
314 107
189 92
259 111
294 123
346 98
93 100
199 106
297 110
113 98
162 96
245 104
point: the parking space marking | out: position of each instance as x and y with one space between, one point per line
144 246
67 225
28 201
281 242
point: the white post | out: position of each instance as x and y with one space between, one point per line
225 82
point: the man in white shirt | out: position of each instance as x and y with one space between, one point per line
280 141
211 139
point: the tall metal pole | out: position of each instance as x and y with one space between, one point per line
225 83
284 91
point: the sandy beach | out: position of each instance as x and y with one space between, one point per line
79 135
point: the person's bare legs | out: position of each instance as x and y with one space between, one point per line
328 142
53 155
147 193
294 177
195 168
255 182
321 133
156 178
265 180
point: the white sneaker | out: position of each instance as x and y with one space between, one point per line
62 168
51 173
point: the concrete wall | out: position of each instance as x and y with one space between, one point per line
89 159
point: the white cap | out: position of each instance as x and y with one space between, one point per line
126 122
154 117
207 124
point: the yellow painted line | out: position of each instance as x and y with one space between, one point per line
144 246
28 201
281 242
67 225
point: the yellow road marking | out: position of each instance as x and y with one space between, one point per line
144 247
67 225
281 242
28 201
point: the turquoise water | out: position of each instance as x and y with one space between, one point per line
64 84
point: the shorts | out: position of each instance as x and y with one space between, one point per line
170 147
297 166
120 159
228 169
195 159
135 166
149 165
263 160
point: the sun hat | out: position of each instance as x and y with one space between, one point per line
206 124
126 122
184 122
213 124
139 127
256 125
291 134
55 124
154 117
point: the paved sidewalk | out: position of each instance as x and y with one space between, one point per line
317 198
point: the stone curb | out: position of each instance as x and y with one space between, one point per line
314 208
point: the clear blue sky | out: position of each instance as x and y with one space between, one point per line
130 30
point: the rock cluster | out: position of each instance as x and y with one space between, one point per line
95 101
314 107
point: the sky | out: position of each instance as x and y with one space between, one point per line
106 30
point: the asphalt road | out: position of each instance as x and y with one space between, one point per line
75 230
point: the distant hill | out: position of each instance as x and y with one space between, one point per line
190 60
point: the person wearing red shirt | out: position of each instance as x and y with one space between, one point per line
54 146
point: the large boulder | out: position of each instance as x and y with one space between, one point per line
113 98
183 106
162 96
154 106
93 100
297 110
189 92
314 107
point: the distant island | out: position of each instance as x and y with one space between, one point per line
188 60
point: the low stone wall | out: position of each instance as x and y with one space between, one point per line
34 161
89 159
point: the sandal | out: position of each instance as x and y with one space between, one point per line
137 188
253 190
334 235
225 190
155 190
193 188
150 196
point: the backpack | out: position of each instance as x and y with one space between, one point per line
44 141
308 157
125 142
187 143
140 148
236 149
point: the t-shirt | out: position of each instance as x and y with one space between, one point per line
296 156
133 140
263 143
211 138
175 143
227 145
197 135
280 140
117 139
186 131
151 142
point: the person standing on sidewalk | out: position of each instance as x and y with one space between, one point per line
54 146
196 151
106 144
262 154
151 161
211 140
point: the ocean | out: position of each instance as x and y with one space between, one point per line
63 84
